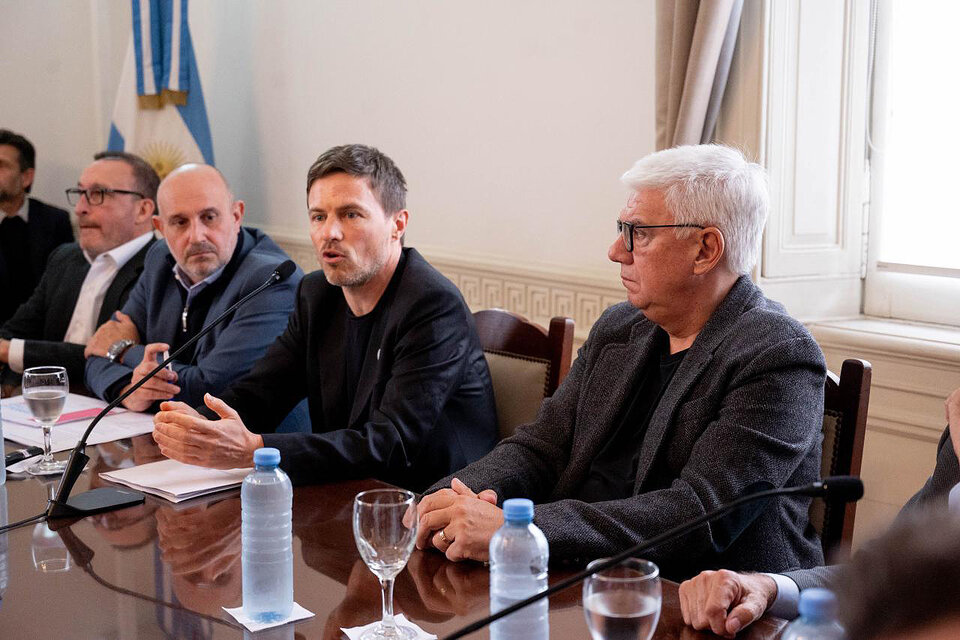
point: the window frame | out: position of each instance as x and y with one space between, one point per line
897 291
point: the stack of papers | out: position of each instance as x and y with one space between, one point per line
176 481
79 411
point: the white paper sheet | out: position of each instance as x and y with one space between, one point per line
20 428
176 481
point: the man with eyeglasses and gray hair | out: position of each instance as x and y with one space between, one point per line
696 391
85 282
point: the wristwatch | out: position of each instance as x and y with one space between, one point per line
118 348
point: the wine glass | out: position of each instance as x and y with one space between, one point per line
622 602
45 392
385 529
50 554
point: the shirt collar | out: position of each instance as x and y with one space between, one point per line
24 211
122 254
183 279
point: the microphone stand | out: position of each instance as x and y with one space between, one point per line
845 484
109 498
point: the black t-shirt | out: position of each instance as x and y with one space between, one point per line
355 343
613 472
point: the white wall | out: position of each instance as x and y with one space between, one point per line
511 121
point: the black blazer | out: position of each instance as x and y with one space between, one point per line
424 405
47 228
43 319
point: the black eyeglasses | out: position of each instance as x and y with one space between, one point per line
627 230
97 194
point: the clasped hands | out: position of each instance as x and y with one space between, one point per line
458 522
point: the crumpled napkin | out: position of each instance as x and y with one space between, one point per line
354 633
296 613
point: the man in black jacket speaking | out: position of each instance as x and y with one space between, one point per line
380 343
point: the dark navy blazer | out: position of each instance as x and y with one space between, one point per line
229 350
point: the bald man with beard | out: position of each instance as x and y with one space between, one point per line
206 262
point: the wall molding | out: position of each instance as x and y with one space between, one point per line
537 292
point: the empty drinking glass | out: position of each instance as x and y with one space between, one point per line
385 529
622 602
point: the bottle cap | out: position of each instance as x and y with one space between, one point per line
266 457
819 604
518 510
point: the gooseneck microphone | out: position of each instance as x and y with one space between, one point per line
107 498
834 488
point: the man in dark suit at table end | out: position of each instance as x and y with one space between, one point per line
727 602
380 343
696 391
29 229
85 282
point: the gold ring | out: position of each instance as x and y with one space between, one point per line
443 537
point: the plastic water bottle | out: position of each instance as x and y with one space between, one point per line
818 618
266 503
518 569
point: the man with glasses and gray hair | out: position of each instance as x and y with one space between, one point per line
85 282
694 392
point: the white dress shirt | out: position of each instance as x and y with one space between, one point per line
24 210
83 322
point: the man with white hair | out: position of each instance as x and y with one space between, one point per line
696 391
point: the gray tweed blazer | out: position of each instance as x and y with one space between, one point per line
933 495
743 413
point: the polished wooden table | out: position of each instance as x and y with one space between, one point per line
161 570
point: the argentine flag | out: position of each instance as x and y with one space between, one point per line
159 113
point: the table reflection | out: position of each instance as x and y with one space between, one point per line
201 547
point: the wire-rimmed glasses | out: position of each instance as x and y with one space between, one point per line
385 529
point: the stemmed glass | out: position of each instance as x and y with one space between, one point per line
45 392
623 601
50 554
385 529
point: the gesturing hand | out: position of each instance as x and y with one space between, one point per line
160 387
186 436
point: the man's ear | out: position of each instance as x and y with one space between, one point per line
400 219
145 210
27 178
238 208
710 252
158 224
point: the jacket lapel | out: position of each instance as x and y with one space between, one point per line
124 280
610 388
370 373
330 357
693 365
75 268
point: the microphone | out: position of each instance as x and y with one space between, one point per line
833 488
108 498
